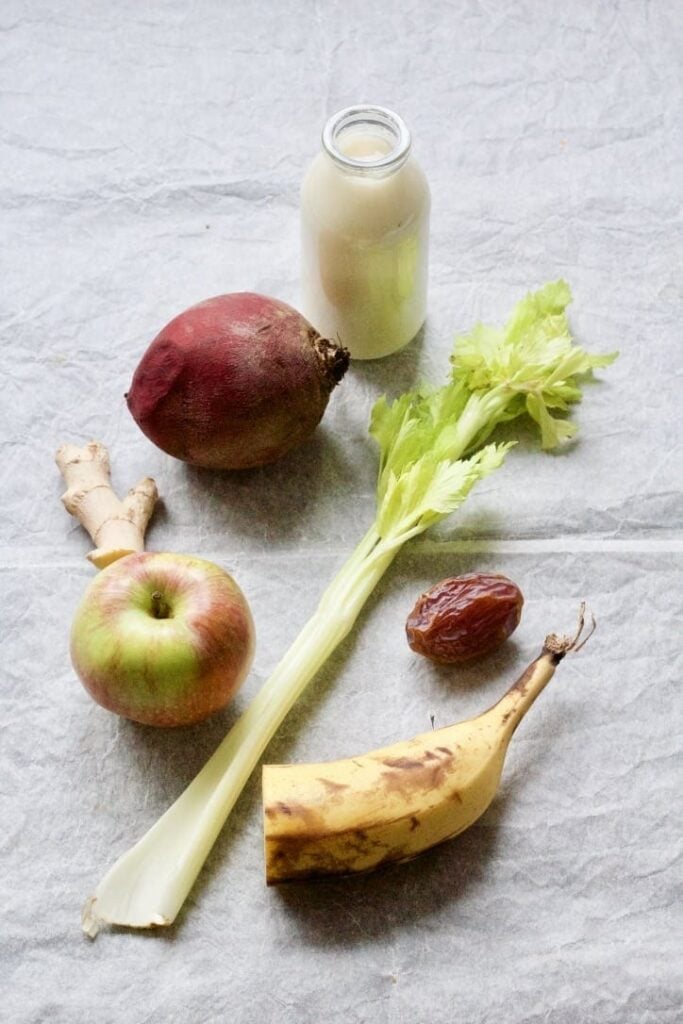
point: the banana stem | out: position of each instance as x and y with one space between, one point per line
513 705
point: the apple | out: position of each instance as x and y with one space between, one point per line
163 639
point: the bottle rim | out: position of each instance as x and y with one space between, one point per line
379 119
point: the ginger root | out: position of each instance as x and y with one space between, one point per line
117 527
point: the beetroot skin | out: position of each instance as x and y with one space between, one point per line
234 382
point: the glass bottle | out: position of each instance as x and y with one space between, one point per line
365 234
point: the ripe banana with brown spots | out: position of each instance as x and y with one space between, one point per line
391 804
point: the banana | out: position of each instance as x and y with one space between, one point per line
391 804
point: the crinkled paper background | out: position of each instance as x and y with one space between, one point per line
152 154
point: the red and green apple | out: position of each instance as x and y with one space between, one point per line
163 639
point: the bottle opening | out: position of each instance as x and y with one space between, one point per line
367 139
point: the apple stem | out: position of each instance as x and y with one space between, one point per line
160 607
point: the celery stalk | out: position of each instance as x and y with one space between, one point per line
430 458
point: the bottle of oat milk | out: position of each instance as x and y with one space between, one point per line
365 234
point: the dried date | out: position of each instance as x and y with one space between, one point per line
464 617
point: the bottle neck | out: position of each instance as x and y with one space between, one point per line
367 141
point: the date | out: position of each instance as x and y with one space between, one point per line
463 617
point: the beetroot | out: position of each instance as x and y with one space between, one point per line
234 382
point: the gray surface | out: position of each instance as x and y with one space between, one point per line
151 156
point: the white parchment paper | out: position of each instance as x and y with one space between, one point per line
151 157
